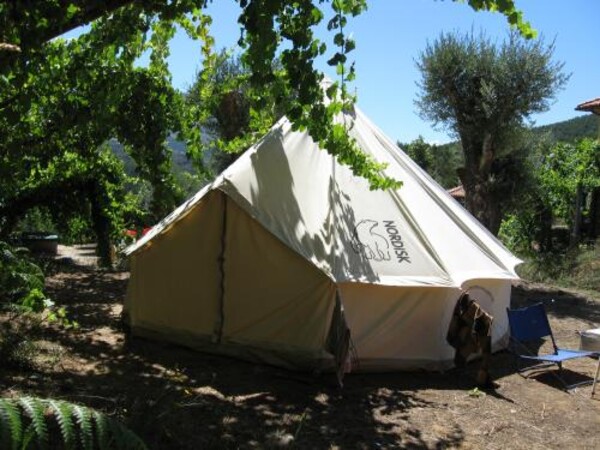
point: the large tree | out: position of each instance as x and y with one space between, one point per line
62 97
484 92
268 27
61 103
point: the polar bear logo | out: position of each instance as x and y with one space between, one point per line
370 243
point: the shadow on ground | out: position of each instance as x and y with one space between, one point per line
175 398
180 399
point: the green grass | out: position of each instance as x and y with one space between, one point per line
577 268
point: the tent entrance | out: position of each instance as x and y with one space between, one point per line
269 296
339 342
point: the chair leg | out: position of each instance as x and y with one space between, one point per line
596 376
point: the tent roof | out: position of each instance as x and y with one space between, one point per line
414 236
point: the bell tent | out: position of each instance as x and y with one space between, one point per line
288 258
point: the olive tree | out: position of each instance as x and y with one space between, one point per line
484 92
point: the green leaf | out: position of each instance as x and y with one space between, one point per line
510 11
82 416
102 430
63 412
11 424
72 10
316 14
476 392
350 45
35 410
336 59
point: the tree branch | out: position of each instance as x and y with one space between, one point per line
27 28
4 47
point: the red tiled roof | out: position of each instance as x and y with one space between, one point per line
591 106
457 192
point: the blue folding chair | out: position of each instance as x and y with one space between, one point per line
531 324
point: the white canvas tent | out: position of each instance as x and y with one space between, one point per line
261 263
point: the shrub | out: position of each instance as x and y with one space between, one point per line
24 305
578 267
20 279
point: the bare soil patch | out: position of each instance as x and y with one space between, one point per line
176 398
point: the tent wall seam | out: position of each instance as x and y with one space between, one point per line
221 259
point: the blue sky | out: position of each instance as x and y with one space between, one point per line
391 34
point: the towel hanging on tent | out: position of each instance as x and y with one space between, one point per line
470 332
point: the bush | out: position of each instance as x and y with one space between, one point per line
21 280
584 273
517 233
578 267
24 306
549 267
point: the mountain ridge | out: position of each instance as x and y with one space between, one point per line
567 130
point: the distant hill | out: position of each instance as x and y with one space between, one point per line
179 158
572 129
566 131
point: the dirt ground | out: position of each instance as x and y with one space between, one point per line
175 398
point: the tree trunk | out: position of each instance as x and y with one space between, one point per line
544 220
577 216
480 202
594 229
479 199
101 226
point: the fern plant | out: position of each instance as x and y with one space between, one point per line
30 422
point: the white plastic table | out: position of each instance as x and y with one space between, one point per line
590 341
